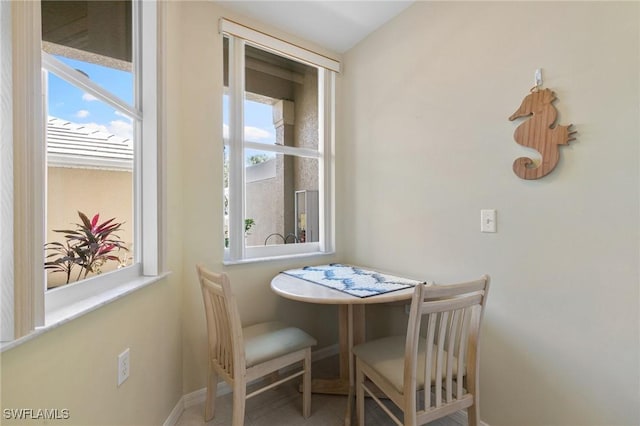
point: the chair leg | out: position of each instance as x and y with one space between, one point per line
410 418
239 401
359 394
306 385
473 414
212 392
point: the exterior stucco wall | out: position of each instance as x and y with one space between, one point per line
91 191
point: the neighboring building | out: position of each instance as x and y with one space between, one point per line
89 170
79 146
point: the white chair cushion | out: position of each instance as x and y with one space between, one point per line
269 340
386 357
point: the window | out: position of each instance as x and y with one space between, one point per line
92 115
278 147
87 108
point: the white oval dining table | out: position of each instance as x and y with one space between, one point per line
351 326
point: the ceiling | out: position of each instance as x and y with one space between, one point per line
335 25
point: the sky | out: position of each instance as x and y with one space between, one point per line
258 121
69 103
258 124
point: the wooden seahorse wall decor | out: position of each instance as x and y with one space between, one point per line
539 133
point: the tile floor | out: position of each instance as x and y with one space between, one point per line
282 407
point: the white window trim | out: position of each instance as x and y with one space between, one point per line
6 176
70 310
239 35
28 128
71 161
278 46
236 150
150 160
36 310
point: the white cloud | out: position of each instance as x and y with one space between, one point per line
96 127
83 113
254 134
116 127
88 97
116 112
121 128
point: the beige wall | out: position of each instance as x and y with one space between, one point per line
201 150
424 143
422 126
74 365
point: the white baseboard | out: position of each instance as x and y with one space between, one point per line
175 414
199 396
461 418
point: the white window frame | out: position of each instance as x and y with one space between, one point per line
38 310
239 36
6 176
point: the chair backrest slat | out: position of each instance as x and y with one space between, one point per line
449 305
462 347
224 350
442 334
452 316
453 331
223 322
431 329
435 291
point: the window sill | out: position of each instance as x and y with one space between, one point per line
70 312
276 258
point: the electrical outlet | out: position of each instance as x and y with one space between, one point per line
124 366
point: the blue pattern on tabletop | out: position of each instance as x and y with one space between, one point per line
352 279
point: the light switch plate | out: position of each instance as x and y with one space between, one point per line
488 220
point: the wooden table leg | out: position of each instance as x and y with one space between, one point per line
340 385
351 332
355 333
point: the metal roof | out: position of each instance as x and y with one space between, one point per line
75 145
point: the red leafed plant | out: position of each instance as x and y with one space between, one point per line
89 246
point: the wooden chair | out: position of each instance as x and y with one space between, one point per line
240 355
448 344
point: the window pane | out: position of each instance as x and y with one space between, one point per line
225 137
117 82
225 83
258 120
68 102
281 100
93 37
89 170
225 118
273 185
225 189
99 27
281 200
